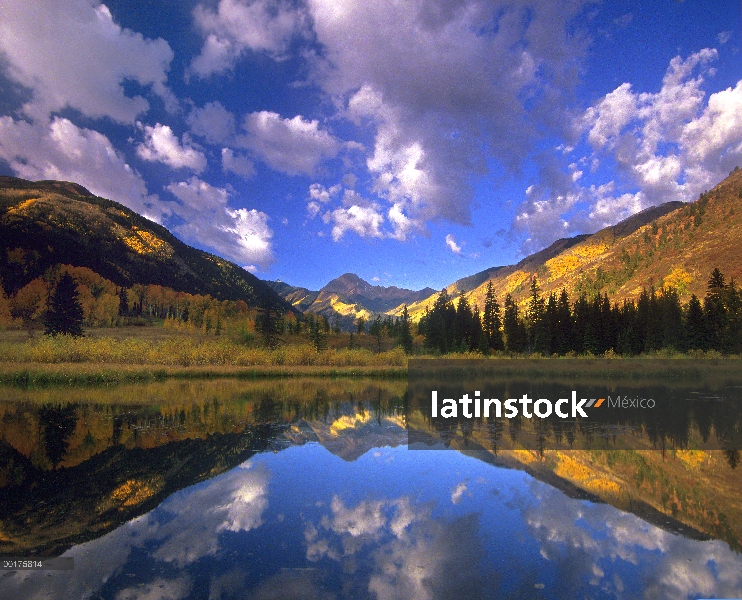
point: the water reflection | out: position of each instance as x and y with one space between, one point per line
307 490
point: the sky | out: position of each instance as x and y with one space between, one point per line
412 142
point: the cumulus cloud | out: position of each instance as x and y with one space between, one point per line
577 537
668 145
452 245
159 588
366 221
213 122
71 53
234 502
162 145
724 37
238 164
464 87
407 553
240 235
292 146
320 193
237 26
62 150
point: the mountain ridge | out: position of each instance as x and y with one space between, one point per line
45 223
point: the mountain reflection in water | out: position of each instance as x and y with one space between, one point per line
305 489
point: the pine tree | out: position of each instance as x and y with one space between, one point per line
377 330
462 339
564 327
269 323
695 327
479 338
405 331
317 335
124 303
714 311
536 325
491 320
514 329
64 315
439 324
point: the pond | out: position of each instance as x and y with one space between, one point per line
307 489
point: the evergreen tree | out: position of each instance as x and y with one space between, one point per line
438 327
405 331
123 303
269 322
64 314
672 319
565 326
478 339
580 320
695 326
536 325
462 339
653 339
361 325
733 334
516 339
377 330
318 335
492 321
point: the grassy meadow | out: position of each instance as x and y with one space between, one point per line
115 355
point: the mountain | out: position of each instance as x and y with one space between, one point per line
44 223
673 244
348 297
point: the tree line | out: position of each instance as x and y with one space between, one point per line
557 325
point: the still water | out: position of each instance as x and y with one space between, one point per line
306 489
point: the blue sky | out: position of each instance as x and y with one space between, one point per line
410 142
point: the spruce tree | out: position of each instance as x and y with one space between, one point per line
64 315
269 323
492 321
695 327
515 331
317 335
405 331
536 324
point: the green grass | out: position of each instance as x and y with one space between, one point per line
106 356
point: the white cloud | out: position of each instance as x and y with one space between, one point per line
237 163
407 554
577 537
366 221
70 53
322 194
724 37
452 245
668 145
313 209
240 235
237 26
475 65
213 122
234 502
61 150
162 145
458 493
158 589
292 146
610 115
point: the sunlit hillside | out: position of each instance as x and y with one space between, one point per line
47 223
674 245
